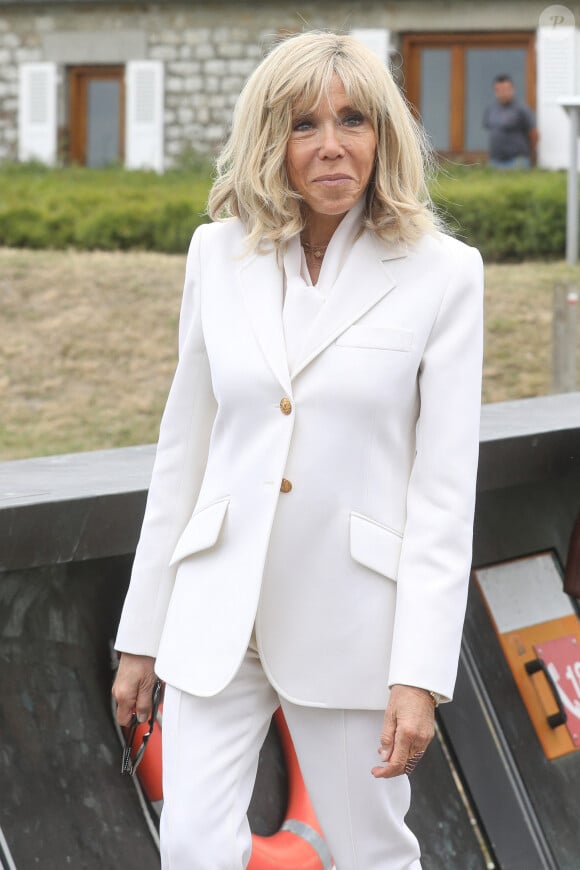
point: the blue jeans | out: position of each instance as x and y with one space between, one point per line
520 162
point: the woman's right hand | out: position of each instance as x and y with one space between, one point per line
133 687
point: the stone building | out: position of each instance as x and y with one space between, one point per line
147 84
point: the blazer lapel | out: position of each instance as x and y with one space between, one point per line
261 280
363 281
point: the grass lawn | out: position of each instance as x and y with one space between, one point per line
89 339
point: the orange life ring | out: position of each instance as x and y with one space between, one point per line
149 772
298 845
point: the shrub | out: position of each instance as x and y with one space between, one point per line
23 227
507 215
109 209
175 226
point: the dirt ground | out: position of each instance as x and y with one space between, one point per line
88 344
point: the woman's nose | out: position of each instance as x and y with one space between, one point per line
330 141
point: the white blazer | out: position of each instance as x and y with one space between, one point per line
356 578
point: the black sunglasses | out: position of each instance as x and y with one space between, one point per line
131 759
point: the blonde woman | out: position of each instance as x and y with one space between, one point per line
307 537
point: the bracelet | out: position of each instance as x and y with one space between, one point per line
435 696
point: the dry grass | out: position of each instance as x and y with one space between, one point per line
88 348
518 328
88 344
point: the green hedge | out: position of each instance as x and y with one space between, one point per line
108 209
508 216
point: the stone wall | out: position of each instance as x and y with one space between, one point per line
16 46
205 69
208 49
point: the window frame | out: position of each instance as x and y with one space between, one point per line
78 78
458 43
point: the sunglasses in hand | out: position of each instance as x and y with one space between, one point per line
133 751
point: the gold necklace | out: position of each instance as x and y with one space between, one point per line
317 251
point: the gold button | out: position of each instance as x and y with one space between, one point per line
285 405
285 486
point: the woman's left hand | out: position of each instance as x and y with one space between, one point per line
408 728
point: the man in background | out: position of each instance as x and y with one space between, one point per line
512 128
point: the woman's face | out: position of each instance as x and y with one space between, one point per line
331 154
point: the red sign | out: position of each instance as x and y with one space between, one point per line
562 659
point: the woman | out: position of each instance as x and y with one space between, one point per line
307 535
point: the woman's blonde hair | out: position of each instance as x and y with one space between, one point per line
251 181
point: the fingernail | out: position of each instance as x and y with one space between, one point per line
141 717
384 755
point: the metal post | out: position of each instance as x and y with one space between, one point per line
564 338
571 105
572 205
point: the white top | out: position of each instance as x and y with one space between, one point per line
302 299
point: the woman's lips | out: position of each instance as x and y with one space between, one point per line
332 180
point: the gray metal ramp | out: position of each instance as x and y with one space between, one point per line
63 801
483 795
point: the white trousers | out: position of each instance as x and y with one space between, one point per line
210 758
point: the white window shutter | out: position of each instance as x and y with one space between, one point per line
37 112
376 39
144 101
556 60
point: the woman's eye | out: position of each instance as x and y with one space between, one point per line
353 120
302 124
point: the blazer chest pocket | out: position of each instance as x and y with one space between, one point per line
377 338
202 531
375 546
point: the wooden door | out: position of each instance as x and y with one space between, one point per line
96 115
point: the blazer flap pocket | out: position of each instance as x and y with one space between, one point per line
202 530
375 546
378 337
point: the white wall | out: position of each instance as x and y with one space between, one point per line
558 75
